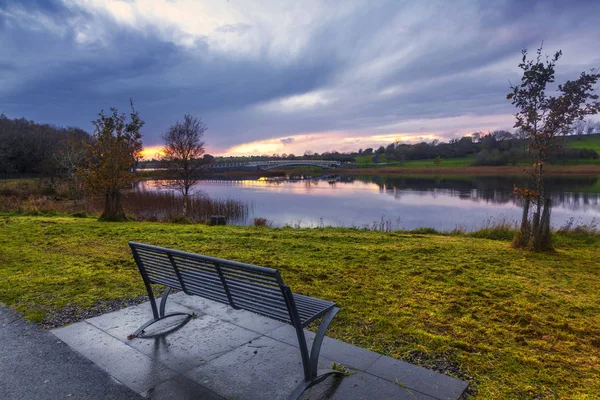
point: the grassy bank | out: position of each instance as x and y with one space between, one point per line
550 170
585 142
523 325
458 167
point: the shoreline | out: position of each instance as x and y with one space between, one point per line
550 170
519 170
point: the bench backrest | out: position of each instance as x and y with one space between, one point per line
242 286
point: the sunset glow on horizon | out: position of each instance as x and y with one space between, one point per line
152 152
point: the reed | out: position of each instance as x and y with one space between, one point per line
168 206
34 198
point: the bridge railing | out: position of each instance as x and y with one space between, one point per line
274 163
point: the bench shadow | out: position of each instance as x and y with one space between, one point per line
324 390
160 337
162 334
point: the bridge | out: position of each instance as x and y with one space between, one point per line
265 165
286 163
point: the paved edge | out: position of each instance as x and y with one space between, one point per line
34 364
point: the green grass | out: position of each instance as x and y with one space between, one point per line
524 325
446 162
369 159
588 161
585 142
364 159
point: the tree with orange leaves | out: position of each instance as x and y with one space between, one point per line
543 119
116 145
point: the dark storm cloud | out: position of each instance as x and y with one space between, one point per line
361 69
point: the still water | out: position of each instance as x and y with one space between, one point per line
443 203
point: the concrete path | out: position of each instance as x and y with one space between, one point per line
34 364
224 353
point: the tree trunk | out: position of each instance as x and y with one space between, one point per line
542 235
75 182
185 203
535 222
113 210
524 235
542 241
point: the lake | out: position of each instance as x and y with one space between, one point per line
443 203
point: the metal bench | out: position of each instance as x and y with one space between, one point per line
244 287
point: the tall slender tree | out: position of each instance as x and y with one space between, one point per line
70 157
115 144
543 118
184 147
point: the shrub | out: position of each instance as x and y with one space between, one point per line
427 231
261 222
495 230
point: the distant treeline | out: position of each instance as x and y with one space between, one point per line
495 148
27 147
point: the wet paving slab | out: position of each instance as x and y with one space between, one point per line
232 354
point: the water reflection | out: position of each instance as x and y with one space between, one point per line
571 193
440 202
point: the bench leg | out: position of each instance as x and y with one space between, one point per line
158 314
312 375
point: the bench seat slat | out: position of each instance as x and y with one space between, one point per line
198 272
243 287
263 302
258 280
204 292
156 257
240 273
310 303
151 264
264 310
208 261
202 280
167 282
199 285
161 275
156 262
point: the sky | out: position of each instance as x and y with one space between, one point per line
285 76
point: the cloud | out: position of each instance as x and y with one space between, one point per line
351 74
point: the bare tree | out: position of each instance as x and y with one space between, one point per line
70 157
520 134
590 127
183 152
501 134
579 128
